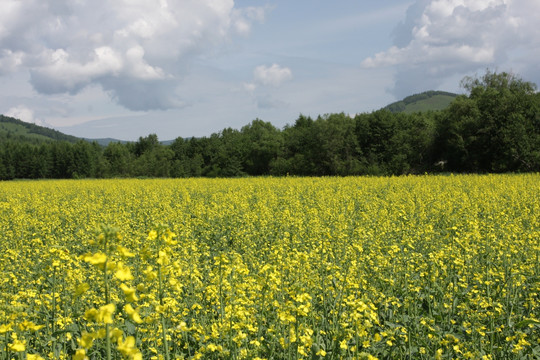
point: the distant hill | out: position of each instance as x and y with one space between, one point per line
105 141
426 101
20 131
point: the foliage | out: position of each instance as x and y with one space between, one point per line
426 267
495 129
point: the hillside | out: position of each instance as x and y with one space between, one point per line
426 101
20 131
105 141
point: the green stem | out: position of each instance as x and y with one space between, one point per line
221 304
163 325
7 347
54 312
164 334
107 300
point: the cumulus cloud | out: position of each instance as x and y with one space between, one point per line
250 87
132 48
242 18
9 61
268 78
273 75
442 38
23 113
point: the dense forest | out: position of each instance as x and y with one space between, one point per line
494 128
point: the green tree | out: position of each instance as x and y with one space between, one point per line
456 136
145 144
62 160
260 145
44 162
373 131
85 160
300 153
339 153
159 162
3 174
7 168
119 160
495 128
222 154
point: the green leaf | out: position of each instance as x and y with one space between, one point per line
525 323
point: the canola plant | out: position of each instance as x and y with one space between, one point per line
416 267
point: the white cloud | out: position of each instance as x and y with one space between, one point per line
62 74
9 60
268 79
130 48
242 18
274 75
139 68
23 113
441 38
250 87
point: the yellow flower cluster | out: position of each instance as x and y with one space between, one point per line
417 267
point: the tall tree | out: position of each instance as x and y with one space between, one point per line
261 142
119 160
496 128
145 144
339 153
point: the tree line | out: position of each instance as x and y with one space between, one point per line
494 128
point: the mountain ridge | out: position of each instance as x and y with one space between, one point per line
17 130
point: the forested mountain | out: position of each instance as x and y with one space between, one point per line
15 130
105 141
495 128
426 101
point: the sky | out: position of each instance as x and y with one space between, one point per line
181 68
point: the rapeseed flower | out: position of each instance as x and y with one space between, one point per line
105 314
34 357
123 273
97 259
17 345
133 314
228 278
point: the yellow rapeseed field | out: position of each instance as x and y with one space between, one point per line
420 267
